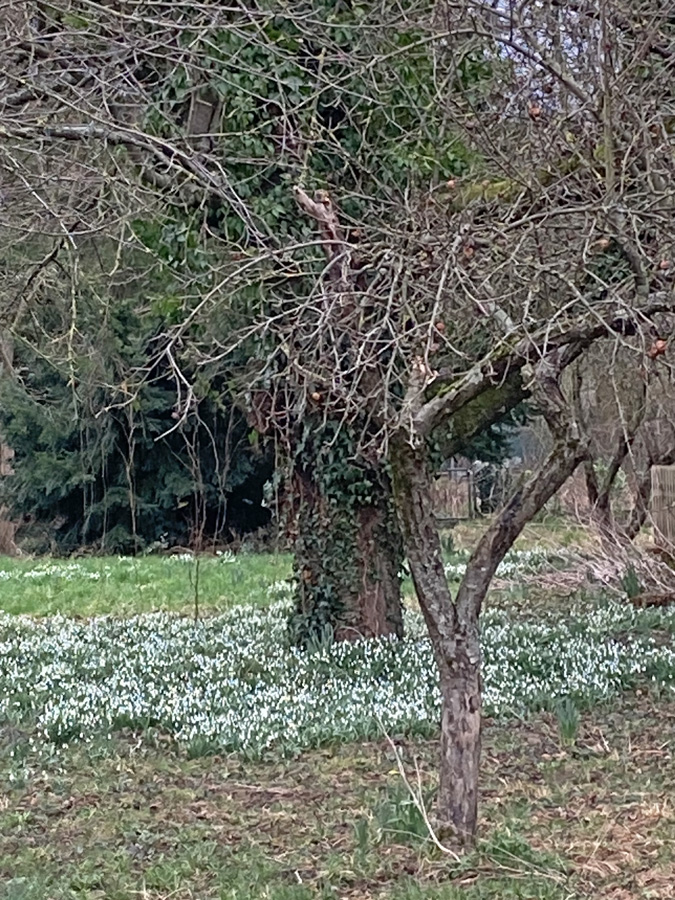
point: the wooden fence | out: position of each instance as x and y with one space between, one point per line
453 495
663 504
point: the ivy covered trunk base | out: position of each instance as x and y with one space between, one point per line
348 558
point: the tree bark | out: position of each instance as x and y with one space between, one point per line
453 625
455 645
7 527
376 607
600 493
599 489
347 565
641 500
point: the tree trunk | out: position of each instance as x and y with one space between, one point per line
348 559
376 608
461 698
599 489
455 645
7 527
453 625
641 501
600 494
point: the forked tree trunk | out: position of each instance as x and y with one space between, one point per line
347 564
455 645
453 624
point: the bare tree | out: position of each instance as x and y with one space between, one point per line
558 239
625 405
611 401
400 306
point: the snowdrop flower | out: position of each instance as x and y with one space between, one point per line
233 683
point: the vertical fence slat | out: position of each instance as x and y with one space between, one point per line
663 504
452 495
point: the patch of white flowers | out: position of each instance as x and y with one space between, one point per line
65 571
280 589
232 682
223 556
74 571
516 562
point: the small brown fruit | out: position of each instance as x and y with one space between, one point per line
657 348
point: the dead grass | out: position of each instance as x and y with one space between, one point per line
597 820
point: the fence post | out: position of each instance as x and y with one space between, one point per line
663 505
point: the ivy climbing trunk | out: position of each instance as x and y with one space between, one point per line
348 556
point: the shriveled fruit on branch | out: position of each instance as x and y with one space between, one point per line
657 348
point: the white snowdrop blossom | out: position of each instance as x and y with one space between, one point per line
279 589
226 556
233 683
65 571
516 562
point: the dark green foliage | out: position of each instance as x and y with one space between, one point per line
631 584
494 443
102 457
295 86
298 87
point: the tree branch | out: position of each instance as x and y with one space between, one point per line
572 340
569 449
213 182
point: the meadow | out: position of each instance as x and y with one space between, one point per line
159 737
124 586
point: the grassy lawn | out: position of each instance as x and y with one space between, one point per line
95 586
132 820
124 586
151 756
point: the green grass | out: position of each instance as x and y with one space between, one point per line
94 586
576 803
122 587
119 821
